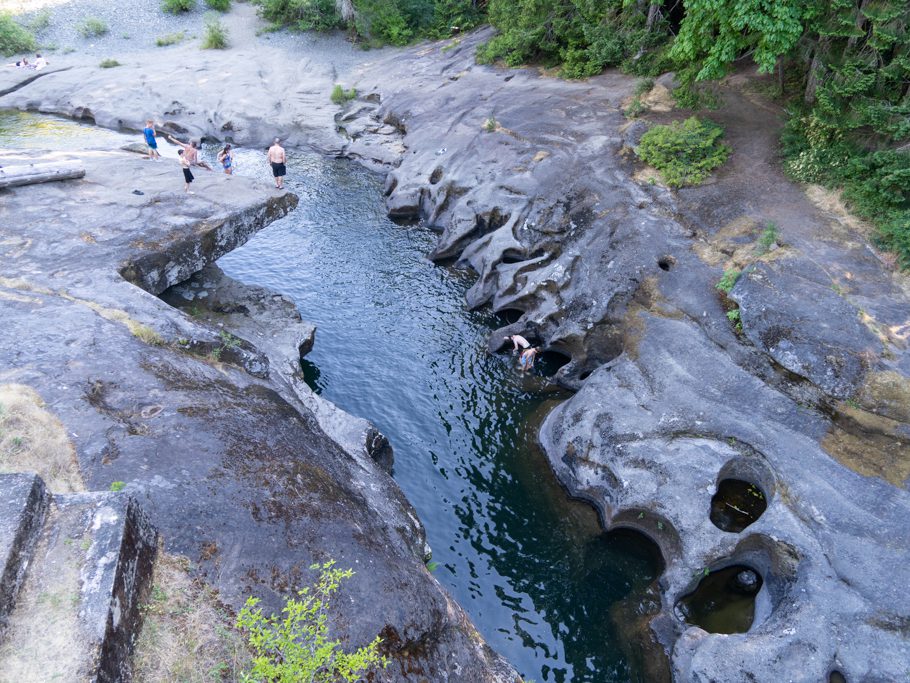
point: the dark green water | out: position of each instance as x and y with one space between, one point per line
395 345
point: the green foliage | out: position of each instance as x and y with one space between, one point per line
39 22
178 6
92 28
295 648
216 34
768 238
684 152
583 36
728 280
117 486
339 95
109 63
490 125
302 15
170 39
219 5
13 37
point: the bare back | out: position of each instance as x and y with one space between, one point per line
276 154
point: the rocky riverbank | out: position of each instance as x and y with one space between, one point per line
801 397
531 181
240 467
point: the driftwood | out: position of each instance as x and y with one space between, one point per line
29 174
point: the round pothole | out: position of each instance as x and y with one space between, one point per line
836 677
549 362
510 315
666 262
724 601
737 504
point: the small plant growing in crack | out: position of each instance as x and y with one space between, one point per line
491 124
768 239
735 318
728 280
117 486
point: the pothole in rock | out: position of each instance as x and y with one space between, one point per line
724 601
510 315
549 362
836 677
512 256
436 175
666 262
736 505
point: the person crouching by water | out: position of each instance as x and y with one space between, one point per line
226 159
187 173
149 133
527 358
277 159
517 341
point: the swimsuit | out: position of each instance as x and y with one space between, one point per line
278 170
187 174
226 161
150 137
527 361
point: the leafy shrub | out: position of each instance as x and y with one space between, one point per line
92 28
216 33
340 95
219 5
170 39
684 152
39 22
13 37
178 6
301 15
768 237
109 63
296 647
728 280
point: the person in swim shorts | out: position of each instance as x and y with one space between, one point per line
527 358
149 133
277 159
187 173
226 159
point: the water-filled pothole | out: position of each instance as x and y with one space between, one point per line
737 504
724 601
510 315
836 677
549 362
512 256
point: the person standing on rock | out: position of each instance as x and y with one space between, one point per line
226 159
149 133
187 173
518 341
191 152
277 159
527 358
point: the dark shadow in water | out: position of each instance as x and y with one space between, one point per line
724 601
311 375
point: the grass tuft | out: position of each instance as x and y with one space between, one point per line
216 33
93 28
170 39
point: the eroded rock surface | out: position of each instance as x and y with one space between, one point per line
532 183
199 419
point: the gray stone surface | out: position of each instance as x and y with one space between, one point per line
80 611
672 399
220 448
23 505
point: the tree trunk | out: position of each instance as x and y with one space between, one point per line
814 72
346 10
859 21
653 12
29 174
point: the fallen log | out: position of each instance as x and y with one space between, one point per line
29 174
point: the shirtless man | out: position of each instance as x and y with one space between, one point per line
277 159
518 341
190 153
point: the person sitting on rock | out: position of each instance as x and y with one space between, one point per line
23 63
40 62
517 341
527 358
